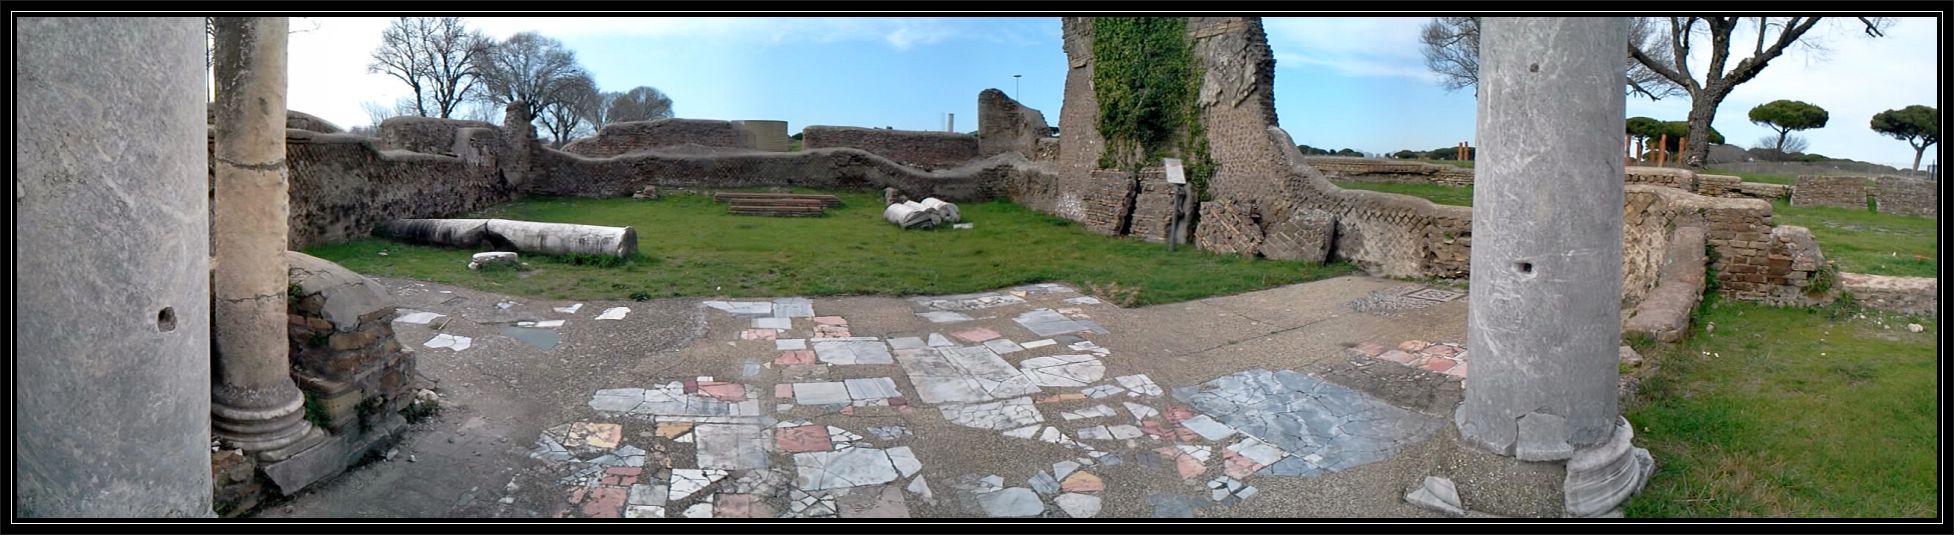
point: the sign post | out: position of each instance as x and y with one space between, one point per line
1178 178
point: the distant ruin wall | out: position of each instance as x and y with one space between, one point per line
922 150
1833 191
342 186
1907 196
1378 170
770 136
637 136
564 174
427 135
1004 125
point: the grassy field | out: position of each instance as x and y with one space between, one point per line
690 246
1863 241
1791 412
1453 195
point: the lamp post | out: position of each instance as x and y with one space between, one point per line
1017 87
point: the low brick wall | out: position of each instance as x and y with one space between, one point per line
343 351
1833 191
1664 313
342 186
1762 190
427 135
1905 295
638 136
922 150
1380 170
558 173
1907 196
1108 201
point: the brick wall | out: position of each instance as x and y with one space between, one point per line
429 135
563 174
922 150
1834 191
342 186
1907 196
1761 190
638 136
1905 295
1004 125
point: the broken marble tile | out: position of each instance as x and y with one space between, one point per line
1102 391
644 511
943 316
996 415
801 504
796 357
907 342
872 502
614 313
1095 411
793 307
1082 482
699 510
1077 505
1171 506
1064 468
889 432
968 301
789 344
1083 300
1207 427
1256 450
976 335
1327 425
687 481
780 324
572 309
732 446
851 467
921 489
904 460
829 393
1140 412
417 317
1012 502
1047 322
646 495
740 506
751 308
964 374
802 439
938 340
1043 483
1003 347
449 341
1063 370
1034 344
853 352
872 388
759 334
1139 384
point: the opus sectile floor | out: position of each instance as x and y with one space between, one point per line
840 430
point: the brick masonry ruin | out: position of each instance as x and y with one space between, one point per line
639 136
1832 191
1907 196
922 150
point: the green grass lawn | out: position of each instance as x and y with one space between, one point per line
1756 177
1863 241
690 246
1452 195
1791 412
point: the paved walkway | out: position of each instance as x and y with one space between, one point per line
1329 398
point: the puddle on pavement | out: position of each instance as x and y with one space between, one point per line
539 337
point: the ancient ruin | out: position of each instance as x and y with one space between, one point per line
291 369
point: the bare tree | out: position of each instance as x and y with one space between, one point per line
1451 49
529 68
436 57
568 114
1775 35
642 103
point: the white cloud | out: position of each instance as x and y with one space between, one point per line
1352 46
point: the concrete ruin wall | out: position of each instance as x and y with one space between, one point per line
112 369
427 135
1907 196
1004 125
637 136
1833 191
770 136
922 150
342 186
1380 170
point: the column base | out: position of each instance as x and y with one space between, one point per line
272 433
1600 478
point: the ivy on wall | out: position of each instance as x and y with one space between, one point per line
1147 81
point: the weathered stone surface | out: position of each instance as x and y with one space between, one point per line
1004 125
426 135
1664 313
1305 235
1600 478
1833 191
1229 227
346 296
1545 319
638 136
1905 295
113 271
922 150
1907 196
1439 495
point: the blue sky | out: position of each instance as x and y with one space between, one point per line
1340 82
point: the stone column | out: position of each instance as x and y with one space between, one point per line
112 318
1545 324
255 404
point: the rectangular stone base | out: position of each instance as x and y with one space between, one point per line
330 457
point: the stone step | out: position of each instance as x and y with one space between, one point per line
728 196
